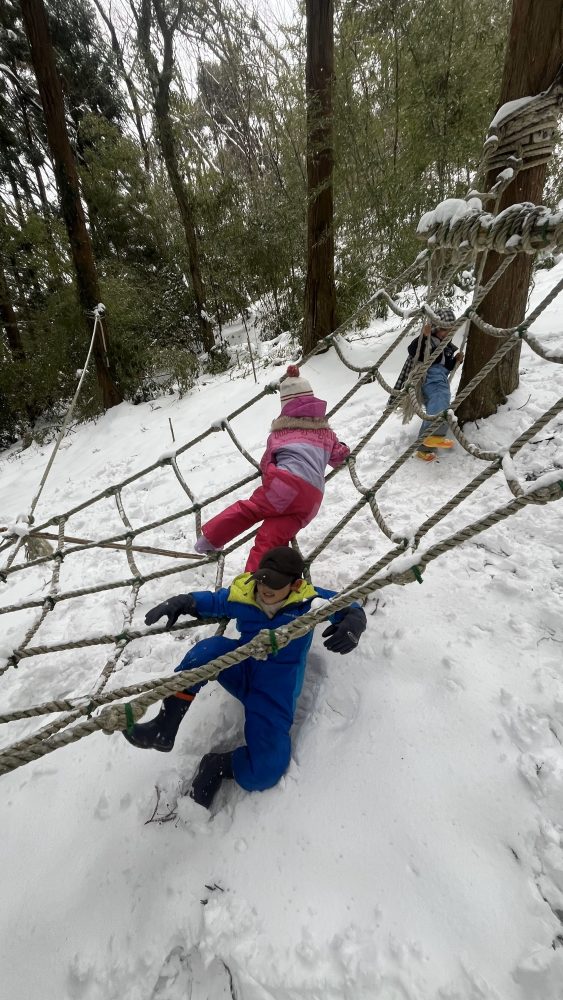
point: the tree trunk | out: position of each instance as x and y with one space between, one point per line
160 82
166 139
42 57
9 321
320 291
533 56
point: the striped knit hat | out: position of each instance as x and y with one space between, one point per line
446 314
293 385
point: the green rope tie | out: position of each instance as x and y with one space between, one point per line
273 642
417 574
196 507
122 637
129 716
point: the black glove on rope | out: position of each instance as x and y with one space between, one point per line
345 635
183 604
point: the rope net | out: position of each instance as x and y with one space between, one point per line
518 141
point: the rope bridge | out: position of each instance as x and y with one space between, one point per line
450 244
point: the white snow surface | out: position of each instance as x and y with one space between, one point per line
414 849
508 109
451 210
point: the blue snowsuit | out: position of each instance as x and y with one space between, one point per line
269 688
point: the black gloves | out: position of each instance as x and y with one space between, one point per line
345 636
183 604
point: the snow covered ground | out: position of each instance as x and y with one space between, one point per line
414 849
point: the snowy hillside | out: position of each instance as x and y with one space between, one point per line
414 849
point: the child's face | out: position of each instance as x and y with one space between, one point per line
270 596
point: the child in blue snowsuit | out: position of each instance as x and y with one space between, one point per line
272 596
436 386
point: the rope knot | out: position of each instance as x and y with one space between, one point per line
114 718
262 645
401 579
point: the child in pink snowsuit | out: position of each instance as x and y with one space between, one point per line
299 448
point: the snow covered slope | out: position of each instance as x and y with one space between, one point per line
414 849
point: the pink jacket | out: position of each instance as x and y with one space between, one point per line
302 443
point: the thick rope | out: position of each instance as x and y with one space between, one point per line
520 229
118 717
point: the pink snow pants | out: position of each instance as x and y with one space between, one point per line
284 502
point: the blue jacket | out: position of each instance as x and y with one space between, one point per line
282 672
268 688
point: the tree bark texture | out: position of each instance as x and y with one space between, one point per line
320 290
66 175
533 56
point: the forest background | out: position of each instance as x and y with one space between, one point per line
188 125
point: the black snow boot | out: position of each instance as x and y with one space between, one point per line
209 775
160 732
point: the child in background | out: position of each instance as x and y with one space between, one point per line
300 446
436 385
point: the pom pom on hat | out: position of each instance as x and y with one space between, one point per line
293 385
